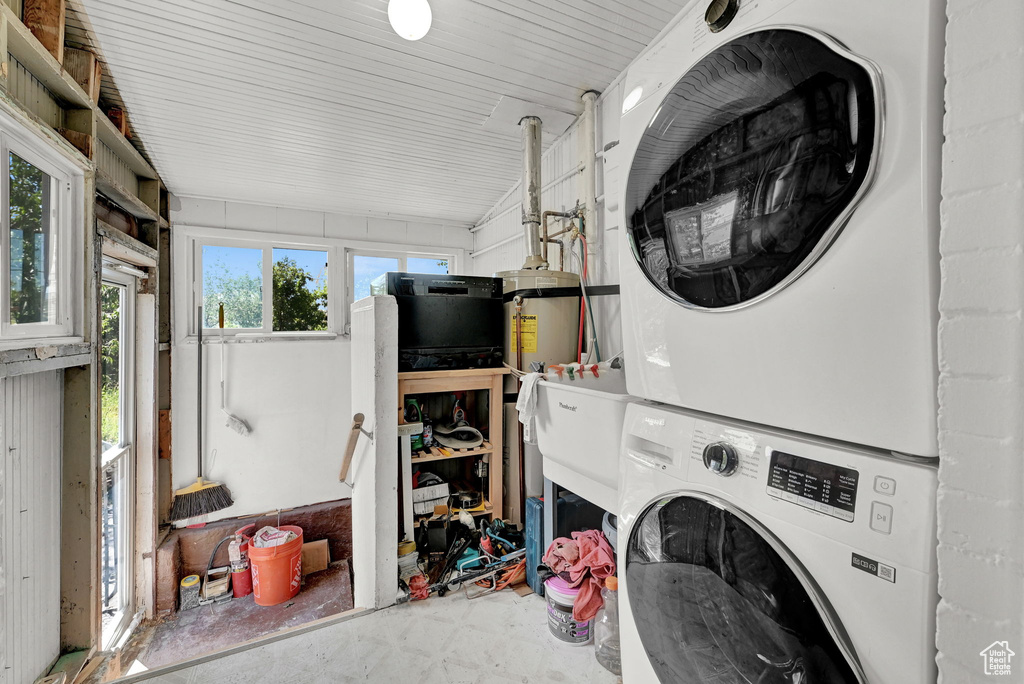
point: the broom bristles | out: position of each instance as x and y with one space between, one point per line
206 498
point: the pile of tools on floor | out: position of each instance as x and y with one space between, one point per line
453 552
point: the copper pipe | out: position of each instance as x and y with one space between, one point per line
545 238
561 252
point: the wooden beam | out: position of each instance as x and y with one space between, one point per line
83 66
5 67
45 19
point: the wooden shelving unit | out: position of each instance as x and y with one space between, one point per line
484 379
435 454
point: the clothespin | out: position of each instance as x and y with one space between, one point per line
537 366
593 369
557 369
569 369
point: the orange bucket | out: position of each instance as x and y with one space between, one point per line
277 571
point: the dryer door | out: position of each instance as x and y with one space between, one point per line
716 598
750 167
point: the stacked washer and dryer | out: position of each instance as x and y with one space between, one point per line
779 281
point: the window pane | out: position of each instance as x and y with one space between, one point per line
300 290
110 356
33 292
234 276
116 545
436 265
367 268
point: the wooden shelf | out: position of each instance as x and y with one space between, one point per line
460 373
488 380
108 134
30 52
42 65
123 197
433 454
488 509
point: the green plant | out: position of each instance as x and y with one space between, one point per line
296 306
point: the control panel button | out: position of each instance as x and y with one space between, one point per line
721 458
885 485
881 517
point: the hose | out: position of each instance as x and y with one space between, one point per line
585 305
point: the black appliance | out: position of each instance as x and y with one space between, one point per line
446 321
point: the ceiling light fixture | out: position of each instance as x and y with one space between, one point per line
410 18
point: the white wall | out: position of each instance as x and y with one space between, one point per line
296 394
30 488
981 341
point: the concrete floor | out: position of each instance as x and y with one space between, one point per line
452 640
216 627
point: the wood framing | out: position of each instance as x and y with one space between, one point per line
45 19
83 66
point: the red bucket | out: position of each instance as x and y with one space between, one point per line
277 571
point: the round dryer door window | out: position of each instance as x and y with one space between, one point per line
714 601
750 167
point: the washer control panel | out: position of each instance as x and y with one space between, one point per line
823 487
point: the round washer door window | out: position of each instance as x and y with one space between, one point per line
713 601
750 167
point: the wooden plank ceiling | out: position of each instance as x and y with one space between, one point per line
319 104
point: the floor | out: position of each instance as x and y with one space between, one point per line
193 633
452 640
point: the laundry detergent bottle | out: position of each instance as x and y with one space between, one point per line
606 628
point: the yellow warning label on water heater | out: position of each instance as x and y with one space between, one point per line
529 334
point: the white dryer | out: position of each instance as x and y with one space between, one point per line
780 254
755 555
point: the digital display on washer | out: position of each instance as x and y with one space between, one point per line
822 487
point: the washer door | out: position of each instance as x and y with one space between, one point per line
750 167
714 600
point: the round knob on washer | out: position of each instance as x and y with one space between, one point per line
720 14
721 459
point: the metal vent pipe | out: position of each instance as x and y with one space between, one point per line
531 129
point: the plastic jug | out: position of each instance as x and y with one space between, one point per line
606 628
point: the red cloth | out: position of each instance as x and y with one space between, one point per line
584 562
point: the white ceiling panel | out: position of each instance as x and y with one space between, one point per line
319 104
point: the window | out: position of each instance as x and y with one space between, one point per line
300 290
36 244
233 276
365 267
237 277
117 400
368 266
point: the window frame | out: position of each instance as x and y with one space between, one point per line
122 455
403 257
267 247
186 276
66 232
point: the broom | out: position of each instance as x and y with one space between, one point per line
202 496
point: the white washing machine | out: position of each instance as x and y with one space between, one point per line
780 255
754 555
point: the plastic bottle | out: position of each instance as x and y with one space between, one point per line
606 628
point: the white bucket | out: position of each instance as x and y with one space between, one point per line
560 597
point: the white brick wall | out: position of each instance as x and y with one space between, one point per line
981 341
